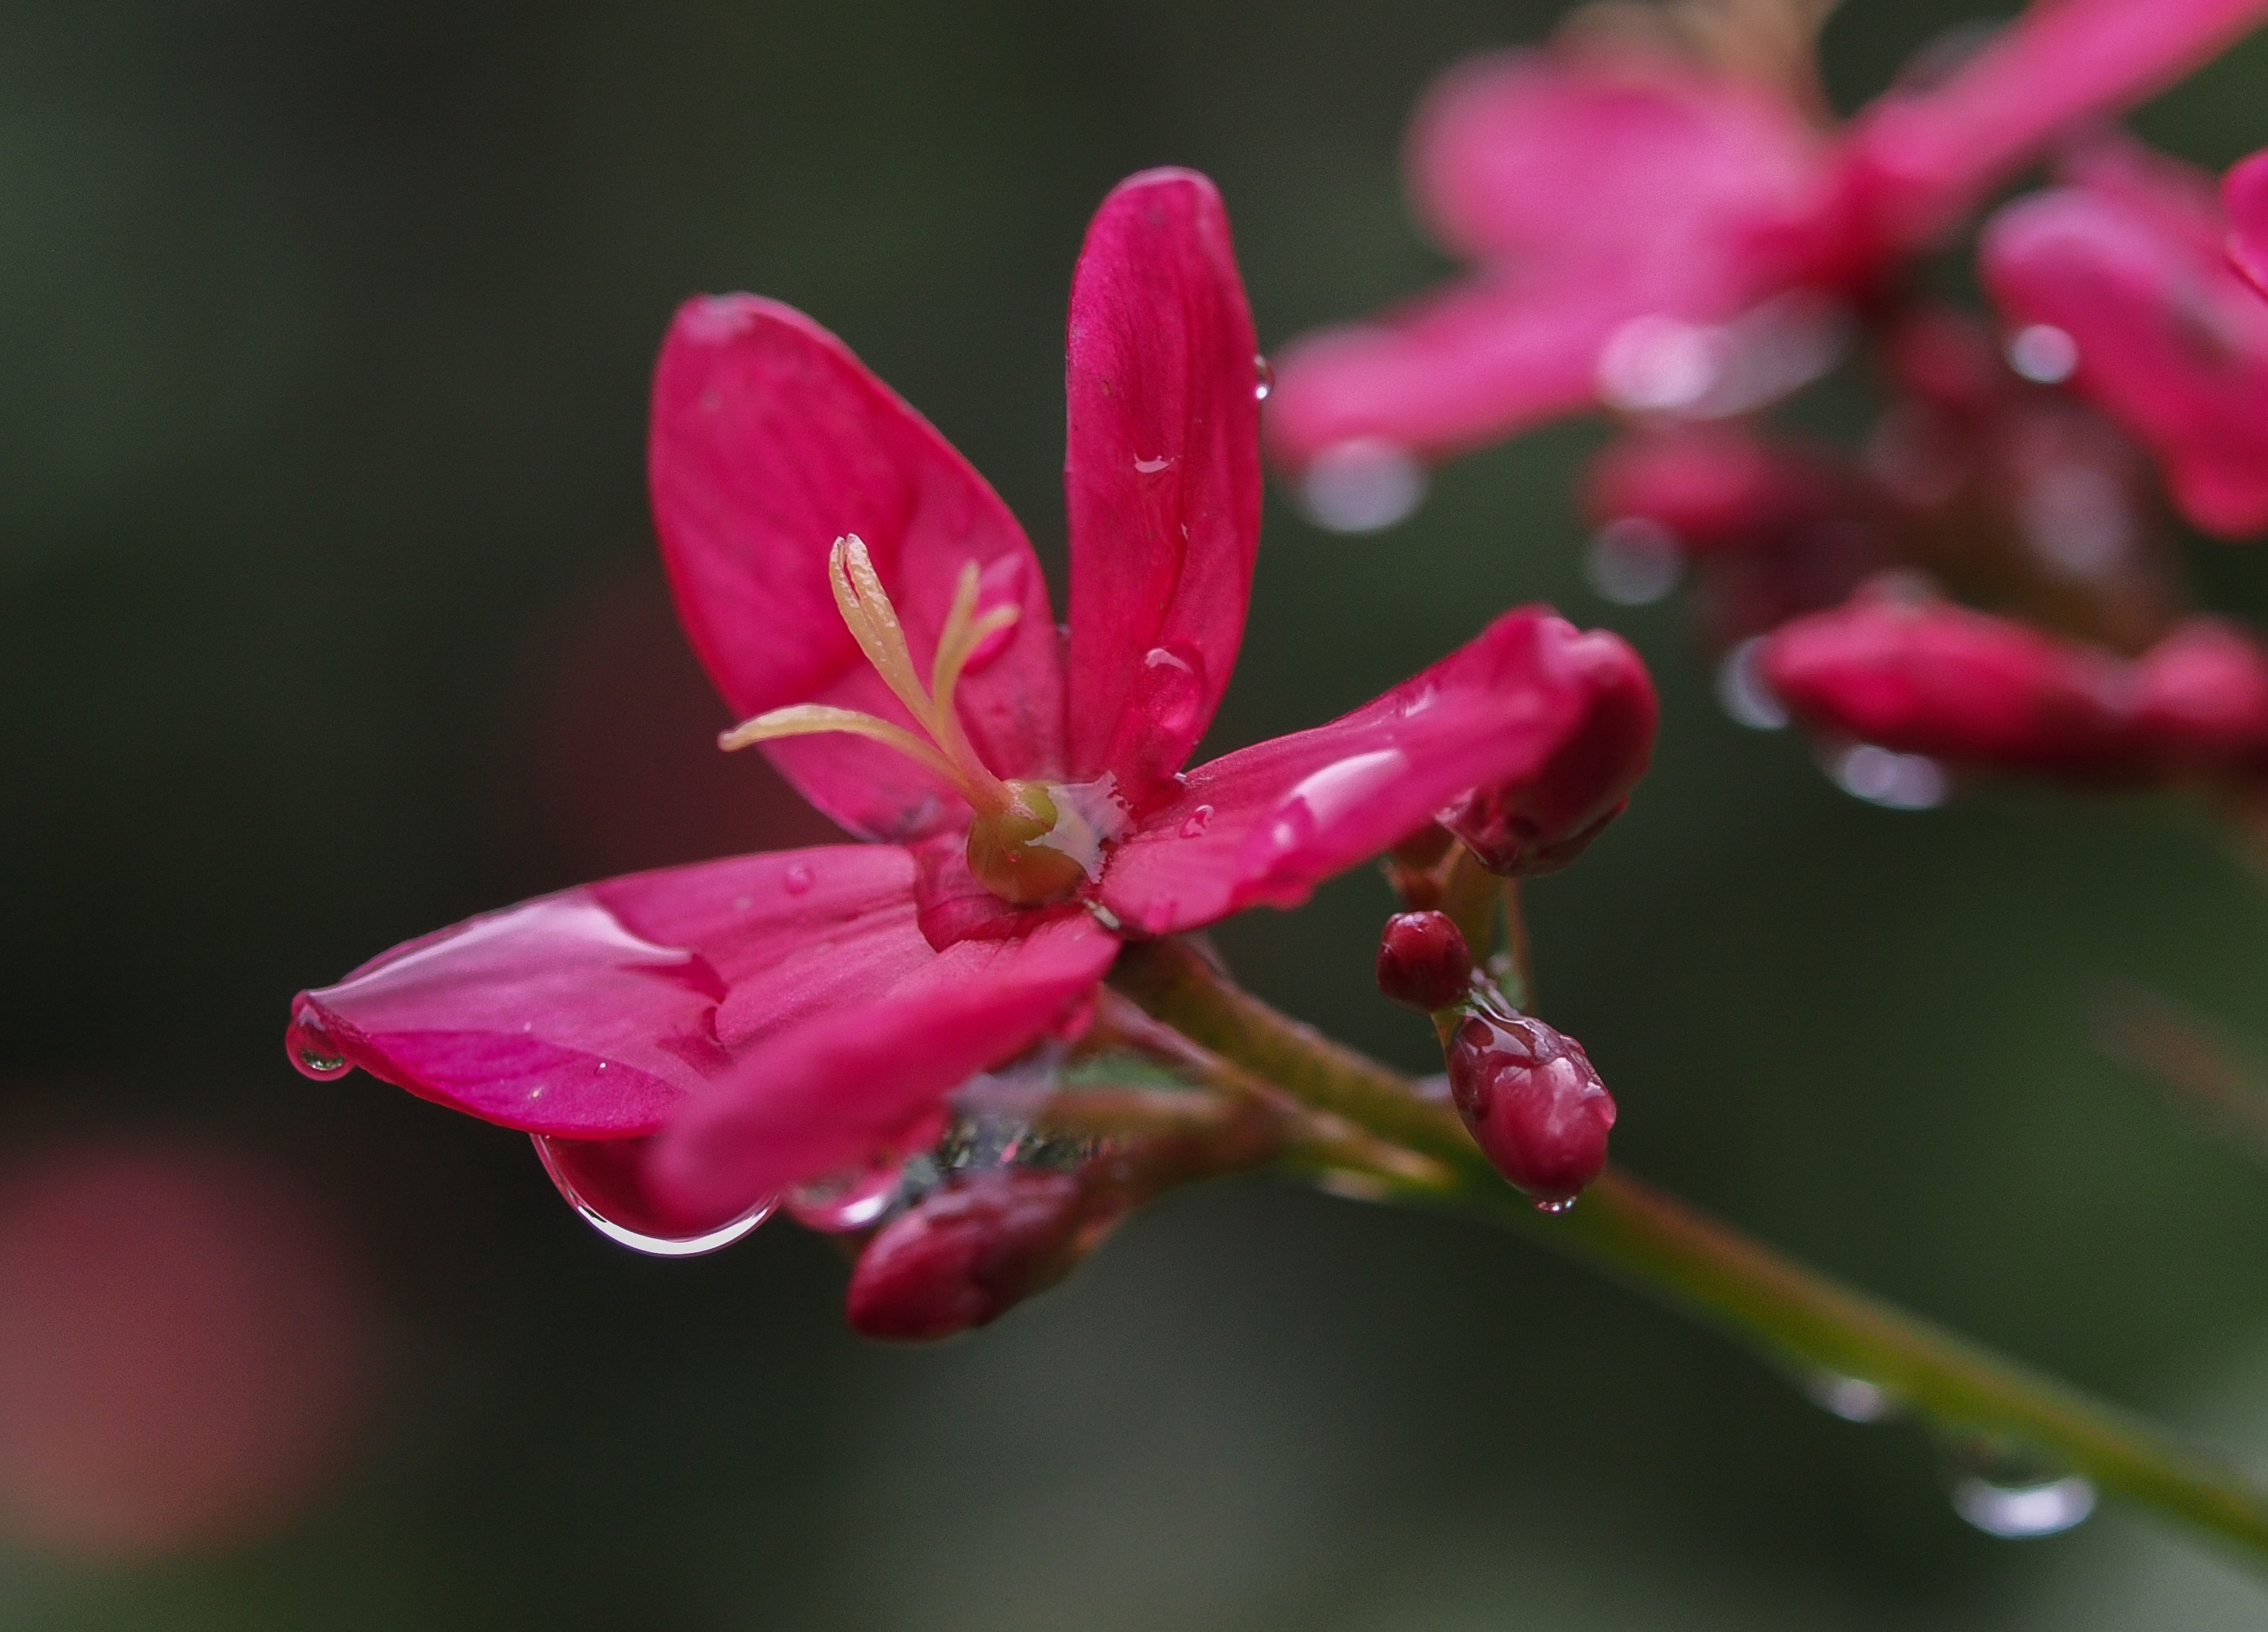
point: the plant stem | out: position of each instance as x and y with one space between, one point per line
1802 1319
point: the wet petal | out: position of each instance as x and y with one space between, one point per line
2244 196
1919 160
1162 476
594 1012
821 1097
1267 824
1586 159
770 441
2170 342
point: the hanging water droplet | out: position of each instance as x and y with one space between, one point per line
1896 782
1853 1398
2044 354
1263 374
796 880
1362 486
1194 824
1633 562
845 1202
1743 692
2018 1513
1552 1209
600 1179
314 1050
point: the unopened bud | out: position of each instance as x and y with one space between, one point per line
966 1254
1423 961
1533 1103
2204 703
1543 823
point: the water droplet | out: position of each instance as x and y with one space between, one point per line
314 1050
1633 562
845 1202
1554 1209
1659 364
796 880
1853 1398
1264 375
1896 782
2075 518
1194 824
1322 798
2017 1512
1362 486
1743 692
2042 354
1172 688
1151 467
600 1179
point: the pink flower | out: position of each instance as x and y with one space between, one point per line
686 1043
2130 264
1654 235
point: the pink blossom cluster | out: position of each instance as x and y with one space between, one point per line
1671 229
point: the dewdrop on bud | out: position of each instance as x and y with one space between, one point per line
967 1254
1533 1103
1422 961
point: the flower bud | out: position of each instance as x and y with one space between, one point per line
1543 823
1533 1103
1937 678
2203 699
966 1254
1423 961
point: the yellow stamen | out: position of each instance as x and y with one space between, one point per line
874 624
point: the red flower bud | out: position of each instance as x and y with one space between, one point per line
1423 961
1937 678
1533 1103
2204 701
1543 823
967 1254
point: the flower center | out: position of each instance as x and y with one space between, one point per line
1032 842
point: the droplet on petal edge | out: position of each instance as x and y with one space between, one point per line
2042 354
846 1201
1896 782
1633 562
1853 1398
2019 1512
1362 486
1744 693
796 880
1263 376
641 1240
312 1050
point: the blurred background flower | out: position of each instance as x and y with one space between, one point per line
329 329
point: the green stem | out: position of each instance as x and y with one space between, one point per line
1804 1320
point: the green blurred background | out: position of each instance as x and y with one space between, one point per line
329 613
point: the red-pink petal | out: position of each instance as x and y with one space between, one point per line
2171 342
770 441
819 1098
1267 824
595 1012
1467 365
1918 160
2244 197
1581 158
1162 476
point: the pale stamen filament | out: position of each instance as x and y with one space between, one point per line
874 624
